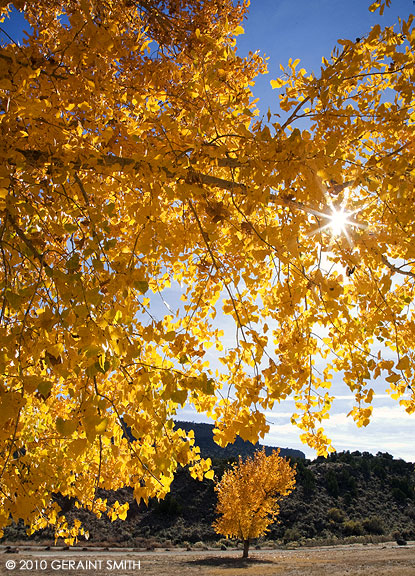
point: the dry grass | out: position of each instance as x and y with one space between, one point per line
354 560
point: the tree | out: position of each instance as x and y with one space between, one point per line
248 495
133 159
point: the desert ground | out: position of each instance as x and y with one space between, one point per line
348 560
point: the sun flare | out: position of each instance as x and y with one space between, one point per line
338 222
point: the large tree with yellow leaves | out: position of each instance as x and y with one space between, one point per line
132 160
249 494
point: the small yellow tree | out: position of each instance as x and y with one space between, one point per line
248 495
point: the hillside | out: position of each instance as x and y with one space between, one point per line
345 497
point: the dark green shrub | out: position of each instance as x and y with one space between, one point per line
352 528
373 525
336 515
348 500
403 488
379 470
346 482
307 481
365 468
399 495
346 457
291 535
332 484
168 506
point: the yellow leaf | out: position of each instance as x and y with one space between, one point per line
393 378
403 364
101 427
44 388
170 336
278 83
78 446
66 427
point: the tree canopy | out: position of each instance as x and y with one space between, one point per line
133 159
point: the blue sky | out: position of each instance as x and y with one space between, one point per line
308 30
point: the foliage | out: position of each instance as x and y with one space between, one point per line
336 515
346 482
168 506
353 528
332 484
402 489
373 525
306 478
133 160
248 495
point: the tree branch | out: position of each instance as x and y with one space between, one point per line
26 240
82 188
38 157
396 269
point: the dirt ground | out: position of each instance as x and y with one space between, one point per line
354 560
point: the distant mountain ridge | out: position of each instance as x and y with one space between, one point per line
209 448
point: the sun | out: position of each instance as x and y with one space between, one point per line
335 220
338 221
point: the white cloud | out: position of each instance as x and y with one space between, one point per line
390 430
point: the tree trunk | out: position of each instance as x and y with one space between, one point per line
246 548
